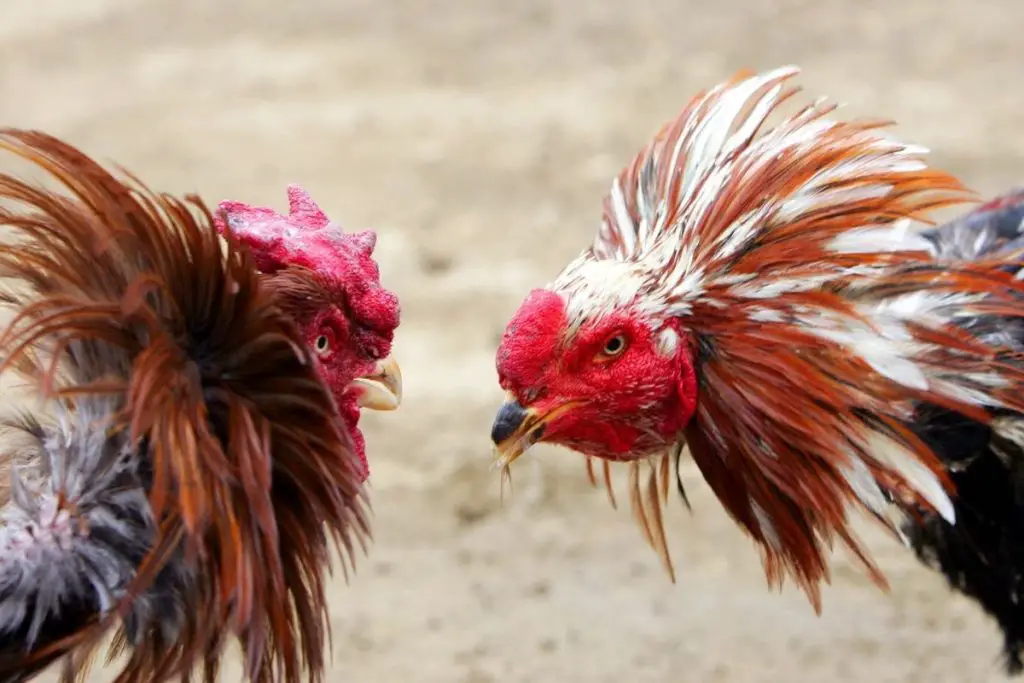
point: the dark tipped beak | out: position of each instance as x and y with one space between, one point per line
510 418
516 429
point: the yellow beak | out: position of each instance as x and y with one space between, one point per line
382 388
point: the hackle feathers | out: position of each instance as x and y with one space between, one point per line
816 317
213 414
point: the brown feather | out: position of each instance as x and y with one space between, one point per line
254 476
751 240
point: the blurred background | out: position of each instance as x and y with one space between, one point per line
478 137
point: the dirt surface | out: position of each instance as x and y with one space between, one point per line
477 137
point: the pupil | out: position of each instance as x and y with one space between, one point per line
614 344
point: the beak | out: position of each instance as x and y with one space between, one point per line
382 388
516 429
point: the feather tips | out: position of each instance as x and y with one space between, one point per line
248 472
786 253
75 526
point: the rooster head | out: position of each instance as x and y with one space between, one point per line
756 294
329 282
588 365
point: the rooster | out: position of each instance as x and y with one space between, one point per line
329 283
982 554
185 474
755 293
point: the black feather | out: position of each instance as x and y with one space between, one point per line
982 555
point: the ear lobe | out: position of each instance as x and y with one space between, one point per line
686 384
670 345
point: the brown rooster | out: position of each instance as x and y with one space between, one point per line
329 283
187 475
754 293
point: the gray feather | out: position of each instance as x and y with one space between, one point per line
75 525
994 227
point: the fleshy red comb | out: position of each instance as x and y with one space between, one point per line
305 237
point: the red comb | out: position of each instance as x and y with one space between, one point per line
305 237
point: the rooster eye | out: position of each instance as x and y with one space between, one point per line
323 344
615 345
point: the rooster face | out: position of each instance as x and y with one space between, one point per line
350 329
329 283
594 369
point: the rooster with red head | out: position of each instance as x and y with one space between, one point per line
329 283
754 294
184 477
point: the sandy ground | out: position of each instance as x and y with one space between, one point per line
477 136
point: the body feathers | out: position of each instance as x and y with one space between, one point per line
190 471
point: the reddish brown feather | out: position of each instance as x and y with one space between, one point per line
799 396
254 475
778 388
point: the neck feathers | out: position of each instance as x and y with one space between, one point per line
822 319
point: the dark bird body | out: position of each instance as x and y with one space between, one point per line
982 555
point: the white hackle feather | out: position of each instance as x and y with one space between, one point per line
799 238
645 253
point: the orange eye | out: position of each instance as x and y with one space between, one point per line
614 346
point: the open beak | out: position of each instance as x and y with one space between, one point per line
382 388
516 429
